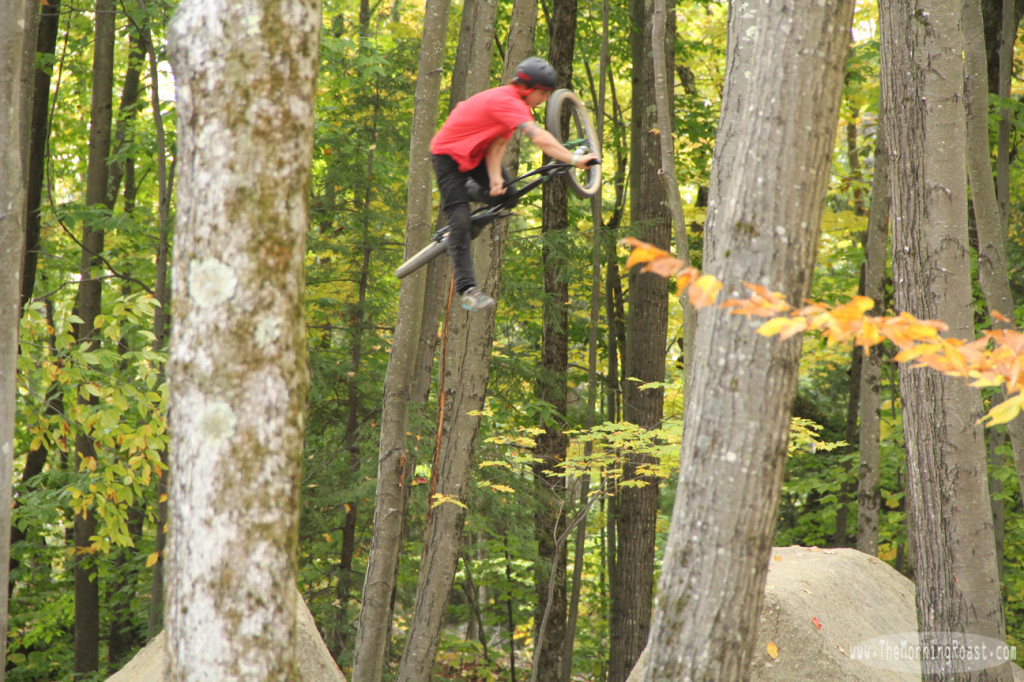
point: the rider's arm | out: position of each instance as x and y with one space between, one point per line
551 146
495 153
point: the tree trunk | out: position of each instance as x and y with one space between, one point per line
664 95
922 72
38 137
237 370
165 182
14 36
632 590
992 260
464 374
596 249
875 249
552 444
769 198
90 293
392 483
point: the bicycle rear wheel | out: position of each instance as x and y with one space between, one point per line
422 257
567 119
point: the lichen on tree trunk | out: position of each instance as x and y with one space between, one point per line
237 368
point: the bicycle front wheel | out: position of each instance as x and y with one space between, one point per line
567 119
422 257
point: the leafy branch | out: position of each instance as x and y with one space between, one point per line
994 359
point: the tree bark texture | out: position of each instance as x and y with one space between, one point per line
552 444
14 34
875 250
89 302
768 194
46 42
237 369
392 485
632 583
992 257
922 77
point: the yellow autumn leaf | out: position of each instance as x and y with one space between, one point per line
152 559
704 290
772 649
854 309
868 336
915 351
438 499
1004 411
784 327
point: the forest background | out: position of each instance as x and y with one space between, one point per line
91 437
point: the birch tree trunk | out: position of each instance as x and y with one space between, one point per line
237 369
769 199
392 486
922 72
13 36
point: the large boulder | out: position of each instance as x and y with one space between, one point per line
822 609
315 662
821 603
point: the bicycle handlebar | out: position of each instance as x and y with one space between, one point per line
550 169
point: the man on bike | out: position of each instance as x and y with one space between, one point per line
471 144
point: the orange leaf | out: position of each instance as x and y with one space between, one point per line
915 351
666 266
704 290
642 252
684 278
772 649
817 623
785 327
855 309
868 335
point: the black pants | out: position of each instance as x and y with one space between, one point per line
451 183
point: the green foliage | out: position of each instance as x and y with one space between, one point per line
115 393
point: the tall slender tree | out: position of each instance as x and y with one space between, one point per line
90 299
464 376
632 583
46 43
14 36
552 444
769 180
392 480
869 423
922 77
246 75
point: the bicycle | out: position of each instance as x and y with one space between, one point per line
567 119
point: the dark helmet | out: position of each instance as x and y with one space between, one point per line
534 72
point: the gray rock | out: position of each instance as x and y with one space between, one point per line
315 662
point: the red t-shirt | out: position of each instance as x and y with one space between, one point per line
475 122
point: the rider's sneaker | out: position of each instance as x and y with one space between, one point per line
474 299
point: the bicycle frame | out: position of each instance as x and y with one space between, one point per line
484 216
